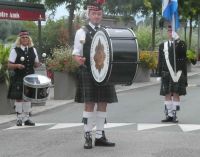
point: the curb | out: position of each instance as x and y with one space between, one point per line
52 104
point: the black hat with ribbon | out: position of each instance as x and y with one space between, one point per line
23 32
95 5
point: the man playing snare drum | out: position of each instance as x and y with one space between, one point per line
22 60
87 91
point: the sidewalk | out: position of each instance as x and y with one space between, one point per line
51 103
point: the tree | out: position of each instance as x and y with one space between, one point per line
71 6
152 6
10 28
132 7
191 14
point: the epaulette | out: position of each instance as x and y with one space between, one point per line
84 28
103 26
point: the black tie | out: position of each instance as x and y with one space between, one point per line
25 50
96 28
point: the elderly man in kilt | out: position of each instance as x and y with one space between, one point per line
22 60
88 91
173 82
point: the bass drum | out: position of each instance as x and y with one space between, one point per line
114 56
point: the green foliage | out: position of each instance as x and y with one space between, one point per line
191 56
4 54
58 36
125 7
144 37
12 28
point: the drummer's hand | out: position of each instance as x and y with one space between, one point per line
37 64
20 66
80 59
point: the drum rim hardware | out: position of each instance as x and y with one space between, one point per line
36 87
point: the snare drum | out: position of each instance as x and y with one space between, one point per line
36 88
114 56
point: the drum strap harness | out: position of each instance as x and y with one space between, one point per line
175 76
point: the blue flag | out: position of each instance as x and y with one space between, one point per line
170 12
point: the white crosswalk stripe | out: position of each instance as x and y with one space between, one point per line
24 127
189 127
147 126
113 125
65 125
139 126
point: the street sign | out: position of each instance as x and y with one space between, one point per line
22 11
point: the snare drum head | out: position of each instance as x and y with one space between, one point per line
100 56
36 80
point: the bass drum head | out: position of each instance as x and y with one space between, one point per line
114 56
100 57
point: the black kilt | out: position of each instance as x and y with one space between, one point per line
168 86
88 91
15 90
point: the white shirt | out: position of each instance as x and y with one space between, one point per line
170 42
13 55
80 40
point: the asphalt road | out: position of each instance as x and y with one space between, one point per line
133 123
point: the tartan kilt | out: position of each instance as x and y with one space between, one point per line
15 90
168 86
88 91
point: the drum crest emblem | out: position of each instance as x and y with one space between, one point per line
99 56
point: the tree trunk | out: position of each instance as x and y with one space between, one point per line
190 35
185 32
153 29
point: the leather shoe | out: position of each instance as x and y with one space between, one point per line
177 108
19 123
103 141
170 119
29 123
88 140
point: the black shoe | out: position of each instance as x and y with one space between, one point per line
88 140
19 123
103 141
177 108
175 120
29 123
168 119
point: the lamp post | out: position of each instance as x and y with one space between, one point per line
198 51
39 37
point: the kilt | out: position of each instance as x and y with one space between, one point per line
88 91
15 90
168 86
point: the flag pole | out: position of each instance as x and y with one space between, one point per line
173 30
